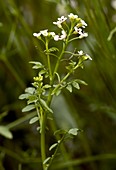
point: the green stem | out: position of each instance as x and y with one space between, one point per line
43 127
54 73
44 114
52 77
43 146
48 60
52 82
56 150
61 82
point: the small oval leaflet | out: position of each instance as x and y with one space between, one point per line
24 96
53 146
69 88
4 131
45 106
28 108
46 160
33 120
76 85
73 131
30 90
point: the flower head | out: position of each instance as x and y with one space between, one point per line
84 24
60 21
56 37
80 32
37 35
44 32
85 34
77 30
60 37
80 52
72 16
63 36
52 34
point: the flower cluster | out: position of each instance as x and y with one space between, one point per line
72 16
60 21
77 23
61 37
45 33
80 32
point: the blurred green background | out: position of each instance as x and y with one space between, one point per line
92 109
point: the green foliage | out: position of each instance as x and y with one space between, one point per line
41 95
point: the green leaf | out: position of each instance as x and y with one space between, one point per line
71 65
73 131
33 120
42 72
4 131
45 106
32 99
58 91
46 160
46 86
30 90
53 146
37 64
24 96
69 88
37 67
28 108
52 49
81 82
76 85
83 58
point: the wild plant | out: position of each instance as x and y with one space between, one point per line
49 81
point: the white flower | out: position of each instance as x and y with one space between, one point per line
37 34
52 34
88 57
61 37
72 16
78 30
44 32
80 52
84 24
83 35
56 37
60 21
